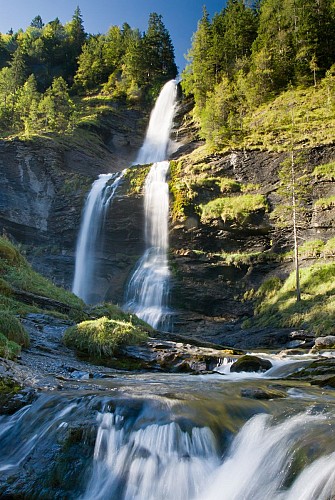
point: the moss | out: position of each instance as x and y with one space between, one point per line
234 209
112 311
134 179
182 193
325 203
102 337
312 248
12 329
325 172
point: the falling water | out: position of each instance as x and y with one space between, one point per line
148 289
97 203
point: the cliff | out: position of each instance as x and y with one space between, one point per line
217 263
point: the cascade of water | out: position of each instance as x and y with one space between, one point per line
148 288
157 461
97 203
157 138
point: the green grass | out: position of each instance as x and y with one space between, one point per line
103 337
325 203
12 329
16 273
234 209
8 348
277 305
270 125
325 172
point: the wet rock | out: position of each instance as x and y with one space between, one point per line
260 393
250 364
318 370
327 342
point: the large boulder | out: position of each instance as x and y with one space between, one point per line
250 364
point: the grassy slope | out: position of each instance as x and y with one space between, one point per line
306 117
108 327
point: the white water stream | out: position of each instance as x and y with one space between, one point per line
148 288
97 203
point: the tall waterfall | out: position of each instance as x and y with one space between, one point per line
97 203
148 289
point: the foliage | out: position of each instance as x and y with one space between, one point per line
234 209
246 56
181 191
16 273
325 172
12 329
316 311
8 348
325 203
102 337
42 66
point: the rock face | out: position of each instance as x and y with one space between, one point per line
43 186
204 285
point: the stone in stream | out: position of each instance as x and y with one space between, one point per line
259 393
250 364
327 342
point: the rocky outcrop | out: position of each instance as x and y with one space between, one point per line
43 185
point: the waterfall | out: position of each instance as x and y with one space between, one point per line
97 203
148 288
150 463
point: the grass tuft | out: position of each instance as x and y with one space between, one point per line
103 337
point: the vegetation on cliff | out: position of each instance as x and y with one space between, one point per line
22 290
277 306
253 63
46 70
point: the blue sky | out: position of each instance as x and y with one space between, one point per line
179 16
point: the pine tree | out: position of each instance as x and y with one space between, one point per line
158 52
27 105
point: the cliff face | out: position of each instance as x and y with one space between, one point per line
44 183
209 282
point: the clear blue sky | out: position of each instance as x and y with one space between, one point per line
179 16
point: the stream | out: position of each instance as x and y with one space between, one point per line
169 436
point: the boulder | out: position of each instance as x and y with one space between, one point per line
250 364
327 342
259 393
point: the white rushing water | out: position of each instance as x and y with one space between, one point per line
97 203
162 462
151 463
148 288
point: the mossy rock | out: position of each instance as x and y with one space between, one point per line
12 329
259 393
250 364
103 337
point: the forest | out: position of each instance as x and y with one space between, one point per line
48 68
252 52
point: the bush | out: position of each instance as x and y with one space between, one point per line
8 348
236 208
8 252
102 337
325 172
12 329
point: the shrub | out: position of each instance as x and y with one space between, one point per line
325 203
325 172
236 208
12 329
8 348
102 337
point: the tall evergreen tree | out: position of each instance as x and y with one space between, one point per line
158 51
